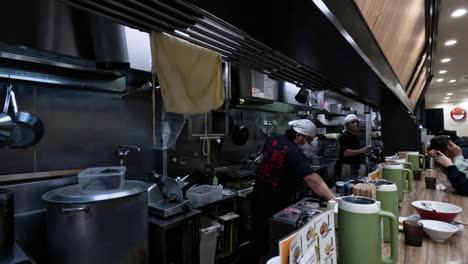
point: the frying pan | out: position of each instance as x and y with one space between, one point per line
31 127
240 133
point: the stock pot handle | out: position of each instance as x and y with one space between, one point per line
75 209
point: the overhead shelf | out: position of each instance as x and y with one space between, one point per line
273 107
335 123
331 114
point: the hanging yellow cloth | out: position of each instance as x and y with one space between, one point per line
190 76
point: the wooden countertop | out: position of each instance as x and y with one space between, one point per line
455 249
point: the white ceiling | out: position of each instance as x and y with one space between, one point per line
451 28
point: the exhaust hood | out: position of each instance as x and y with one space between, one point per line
50 26
292 41
55 43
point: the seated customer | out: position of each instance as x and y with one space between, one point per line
462 142
457 178
451 150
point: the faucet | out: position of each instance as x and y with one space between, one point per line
123 151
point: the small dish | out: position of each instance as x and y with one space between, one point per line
400 222
415 217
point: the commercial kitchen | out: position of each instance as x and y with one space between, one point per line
114 151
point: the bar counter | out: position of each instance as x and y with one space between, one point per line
455 249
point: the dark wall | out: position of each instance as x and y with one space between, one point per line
400 132
434 120
83 128
224 153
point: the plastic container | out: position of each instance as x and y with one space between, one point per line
101 179
209 232
205 194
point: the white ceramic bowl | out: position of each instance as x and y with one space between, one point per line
437 230
275 260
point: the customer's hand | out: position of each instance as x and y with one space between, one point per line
432 153
442 159
453 150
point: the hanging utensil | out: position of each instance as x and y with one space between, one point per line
31 127
240 133
9 131
6 123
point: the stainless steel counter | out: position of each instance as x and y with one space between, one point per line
17 256
169 222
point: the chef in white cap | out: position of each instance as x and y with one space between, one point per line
282 167
350 150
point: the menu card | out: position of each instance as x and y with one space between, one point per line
313 243
376 174
326 237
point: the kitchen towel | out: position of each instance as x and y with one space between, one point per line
190 76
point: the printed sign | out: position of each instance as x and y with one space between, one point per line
458 114
313 243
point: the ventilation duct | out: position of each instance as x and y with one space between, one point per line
193 24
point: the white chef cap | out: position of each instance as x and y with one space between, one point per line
304 127
350 118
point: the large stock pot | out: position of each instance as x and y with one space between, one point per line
109 227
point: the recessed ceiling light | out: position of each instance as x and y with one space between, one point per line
442 71
445 101
450 42
439 80
452 81
449 93
445 60
459 12
446 98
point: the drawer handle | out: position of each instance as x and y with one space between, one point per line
74 209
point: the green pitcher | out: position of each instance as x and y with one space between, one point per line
387 195
406 165
400 176
417 160
359 232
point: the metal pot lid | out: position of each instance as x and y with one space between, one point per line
73 193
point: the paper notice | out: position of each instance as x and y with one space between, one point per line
269 88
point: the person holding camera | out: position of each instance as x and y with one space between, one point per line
450 157
462 142
456 177
445 145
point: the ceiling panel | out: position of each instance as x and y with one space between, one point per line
457 29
